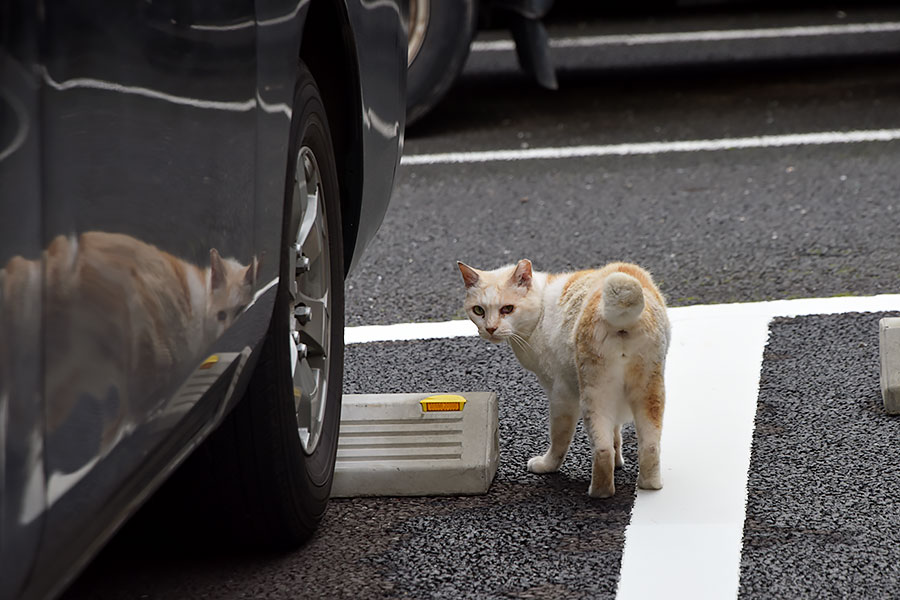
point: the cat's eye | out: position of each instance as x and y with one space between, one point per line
478 311
507 309
222 315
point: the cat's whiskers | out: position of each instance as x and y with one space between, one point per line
515 337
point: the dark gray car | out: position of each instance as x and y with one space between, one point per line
184 185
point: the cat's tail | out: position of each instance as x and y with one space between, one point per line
623 300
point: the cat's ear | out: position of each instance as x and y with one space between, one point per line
522 275
253 270
216 270
469 275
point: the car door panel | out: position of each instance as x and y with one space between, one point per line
22 498
278 50
149 240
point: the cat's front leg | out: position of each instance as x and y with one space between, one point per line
563 418
617 444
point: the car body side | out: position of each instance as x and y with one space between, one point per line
166 123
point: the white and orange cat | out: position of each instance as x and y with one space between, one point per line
597 341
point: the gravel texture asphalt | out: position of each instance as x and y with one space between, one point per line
822 507
737 225
530 536
724 227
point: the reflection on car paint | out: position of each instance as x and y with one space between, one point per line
21 124
388 130
120 317
20 312
111 86
277 20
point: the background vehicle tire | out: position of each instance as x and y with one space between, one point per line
274 455
440 34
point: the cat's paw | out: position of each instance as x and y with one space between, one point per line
649 483
541 464
602 491
620 460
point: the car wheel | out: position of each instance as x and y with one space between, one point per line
283 434
440 33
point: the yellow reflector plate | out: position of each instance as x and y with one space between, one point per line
209 362
443 402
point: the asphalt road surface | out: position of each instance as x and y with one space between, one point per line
817 218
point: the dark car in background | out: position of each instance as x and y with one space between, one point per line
441 33
184 185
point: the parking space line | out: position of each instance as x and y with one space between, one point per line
688 535
642 39
409 331
643 148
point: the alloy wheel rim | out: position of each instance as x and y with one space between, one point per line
418 26
310 309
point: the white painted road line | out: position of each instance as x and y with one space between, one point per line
687 536
762 141
409 331
749 310
681 37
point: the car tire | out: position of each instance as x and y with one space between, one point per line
440 34
280 441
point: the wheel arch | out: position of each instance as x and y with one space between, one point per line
328 41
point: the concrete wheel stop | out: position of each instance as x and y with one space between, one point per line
889 346
417 445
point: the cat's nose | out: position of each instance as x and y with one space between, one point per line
490 330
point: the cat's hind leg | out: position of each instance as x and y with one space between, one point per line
647 402
601 430
601 395
563 418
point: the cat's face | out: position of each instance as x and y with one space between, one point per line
502 303
231 289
